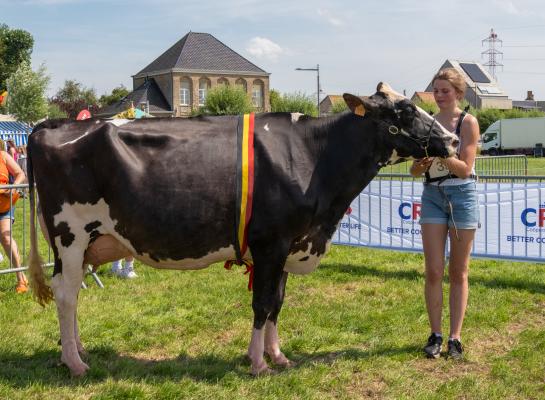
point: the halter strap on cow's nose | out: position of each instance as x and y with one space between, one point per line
424 144
394 130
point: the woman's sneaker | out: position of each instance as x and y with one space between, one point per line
455 349
433 348
128 272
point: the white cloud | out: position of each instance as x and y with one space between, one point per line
264 48
330 18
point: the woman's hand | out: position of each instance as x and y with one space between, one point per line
420 166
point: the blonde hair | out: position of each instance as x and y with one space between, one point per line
455 78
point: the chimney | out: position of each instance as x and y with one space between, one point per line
530 95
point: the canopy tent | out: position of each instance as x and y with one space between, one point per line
16 131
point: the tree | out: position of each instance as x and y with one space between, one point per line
54 112
338 107
293 102
15 48
428 106
26 98
74 97
117 94
487 116
227 100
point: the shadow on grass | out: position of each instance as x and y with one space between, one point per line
499 282
20 371
363 271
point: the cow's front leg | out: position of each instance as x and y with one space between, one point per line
272 342
66 287
268 272
81 350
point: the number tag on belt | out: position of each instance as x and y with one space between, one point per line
438 169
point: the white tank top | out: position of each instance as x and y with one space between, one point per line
437 169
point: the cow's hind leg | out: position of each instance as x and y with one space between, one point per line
268 272
272 342
66 286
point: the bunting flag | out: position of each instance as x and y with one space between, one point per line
244 191
3 97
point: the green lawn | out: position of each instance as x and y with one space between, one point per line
536 166
355 327
506 166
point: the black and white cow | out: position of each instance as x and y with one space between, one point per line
162 190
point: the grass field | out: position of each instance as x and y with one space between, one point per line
355 328
536 166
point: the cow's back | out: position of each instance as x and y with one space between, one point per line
166 185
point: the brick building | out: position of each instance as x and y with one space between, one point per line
176 82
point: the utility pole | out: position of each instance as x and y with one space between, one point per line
317 69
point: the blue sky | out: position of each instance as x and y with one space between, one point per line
101 43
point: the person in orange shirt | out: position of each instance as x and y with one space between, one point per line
8 167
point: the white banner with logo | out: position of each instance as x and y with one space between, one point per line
512 218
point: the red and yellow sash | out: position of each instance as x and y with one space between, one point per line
245 191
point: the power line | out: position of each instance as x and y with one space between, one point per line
526 45
523 72
524 59
521 27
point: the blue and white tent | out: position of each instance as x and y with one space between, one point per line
17 131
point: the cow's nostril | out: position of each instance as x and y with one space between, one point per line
455 142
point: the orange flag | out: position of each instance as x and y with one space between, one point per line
3 97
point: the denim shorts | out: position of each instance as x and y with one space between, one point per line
8 214
462 212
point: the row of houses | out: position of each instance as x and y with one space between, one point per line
482 91
177 81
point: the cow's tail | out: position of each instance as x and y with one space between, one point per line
41 290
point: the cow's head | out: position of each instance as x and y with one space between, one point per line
412 132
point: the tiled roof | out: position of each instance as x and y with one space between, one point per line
526 104
201 51
146 92
424 96
334 98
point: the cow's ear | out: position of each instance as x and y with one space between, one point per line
358 105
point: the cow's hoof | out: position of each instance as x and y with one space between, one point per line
281 360
262 369
79 371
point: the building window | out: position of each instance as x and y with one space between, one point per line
223 81
185 92
242 84
257 94
204 85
